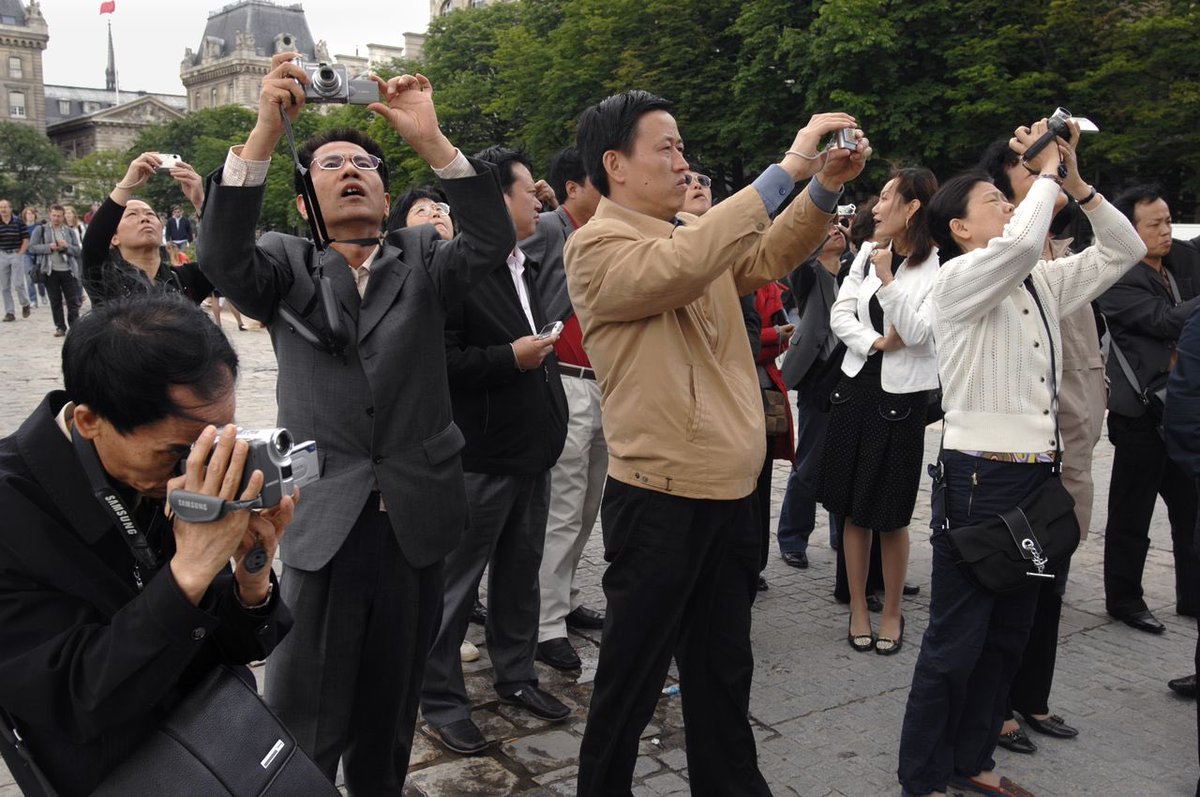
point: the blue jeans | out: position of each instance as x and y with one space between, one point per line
797 514
973 645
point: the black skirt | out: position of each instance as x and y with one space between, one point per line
871 467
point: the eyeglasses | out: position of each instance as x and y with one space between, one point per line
704 180
422 211
335 160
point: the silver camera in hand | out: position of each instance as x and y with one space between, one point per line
331 83
285 464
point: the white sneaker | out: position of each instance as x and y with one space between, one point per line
468 652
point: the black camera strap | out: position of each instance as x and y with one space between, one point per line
145 561
334 339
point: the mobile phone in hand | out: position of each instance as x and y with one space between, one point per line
550 330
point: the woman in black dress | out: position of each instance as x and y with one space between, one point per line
875 443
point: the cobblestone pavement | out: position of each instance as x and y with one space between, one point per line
827 719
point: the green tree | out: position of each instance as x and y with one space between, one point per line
30 166
94 175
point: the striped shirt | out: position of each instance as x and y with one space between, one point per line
11 234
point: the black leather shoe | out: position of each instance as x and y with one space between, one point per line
539 703
1185 686
798 560
1141 620
762 584
479 613
584 618
911 589
559 654
1053 725
462 737
874 603
1017 742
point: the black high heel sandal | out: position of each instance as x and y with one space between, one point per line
890 646
860 642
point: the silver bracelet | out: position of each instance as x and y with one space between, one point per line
817 156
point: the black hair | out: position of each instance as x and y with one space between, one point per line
862 228
950 202
1128 200
347 134
996 160
122 358
398 218
919 183
504 159
566 166
612 124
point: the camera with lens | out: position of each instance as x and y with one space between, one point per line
331 83
285 465
846 212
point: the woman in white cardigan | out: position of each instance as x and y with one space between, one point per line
875 444
995 357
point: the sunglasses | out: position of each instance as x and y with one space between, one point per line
704 180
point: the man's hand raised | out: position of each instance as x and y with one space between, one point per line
804 158
407 104
280 89
843 165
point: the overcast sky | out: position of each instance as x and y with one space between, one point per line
149 36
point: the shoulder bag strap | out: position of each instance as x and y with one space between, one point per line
1053 373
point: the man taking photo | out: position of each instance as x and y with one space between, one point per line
656 291
359 333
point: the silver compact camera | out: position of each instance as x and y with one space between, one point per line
846 212
285 464
331 83
844 139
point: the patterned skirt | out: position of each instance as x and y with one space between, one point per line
871 466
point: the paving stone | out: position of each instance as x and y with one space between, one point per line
544 752
466 777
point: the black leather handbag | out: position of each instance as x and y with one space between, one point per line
1024 545
219 741
1018 548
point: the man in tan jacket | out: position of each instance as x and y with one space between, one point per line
656 292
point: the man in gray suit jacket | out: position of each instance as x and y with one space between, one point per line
362 568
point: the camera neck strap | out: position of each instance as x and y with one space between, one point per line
145 561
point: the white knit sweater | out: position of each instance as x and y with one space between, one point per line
993 355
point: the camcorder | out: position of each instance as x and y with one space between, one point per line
1057 126
285 465
331 83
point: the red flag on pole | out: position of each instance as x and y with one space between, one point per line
108 7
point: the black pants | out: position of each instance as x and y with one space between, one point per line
62 285
681 579
1030 692
347 679
972 647
1141 472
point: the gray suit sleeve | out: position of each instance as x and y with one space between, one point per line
250 276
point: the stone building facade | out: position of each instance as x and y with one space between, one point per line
236 49
23 37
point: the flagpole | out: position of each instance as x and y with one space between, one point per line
112 62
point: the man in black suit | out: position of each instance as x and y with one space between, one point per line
179 228
577 478
363 571
509 402
99 637
1146 310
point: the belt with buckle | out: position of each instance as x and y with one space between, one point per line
576 371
